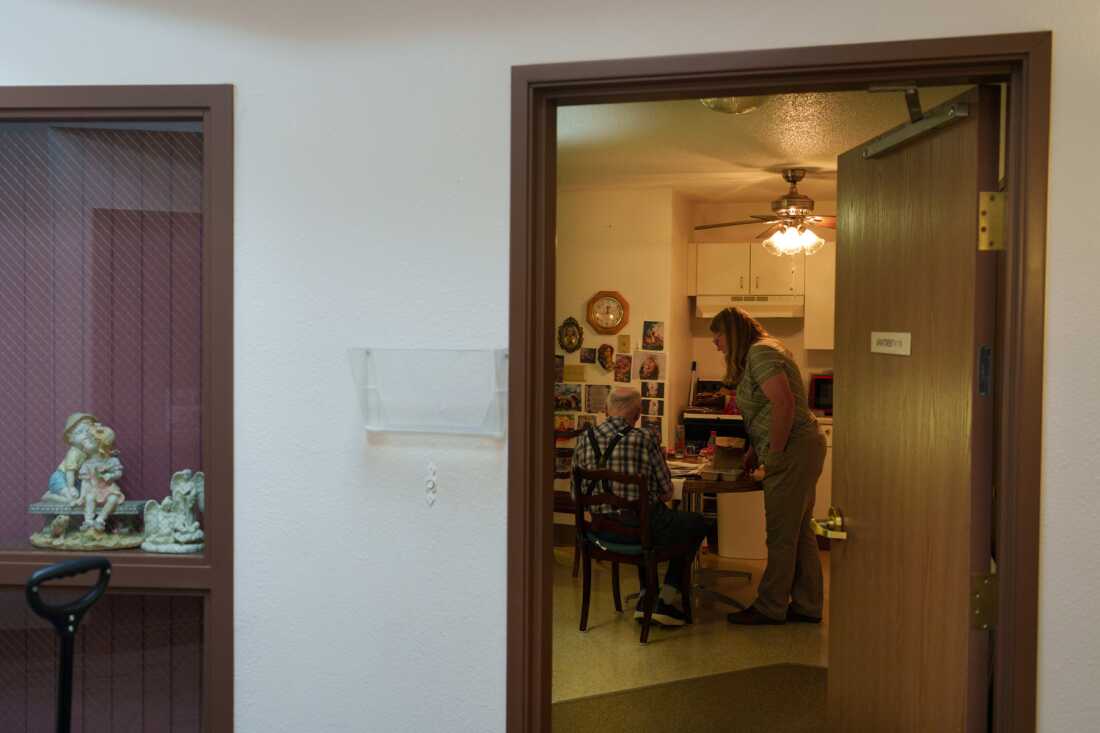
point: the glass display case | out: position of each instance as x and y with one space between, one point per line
116 398
101 326
137 665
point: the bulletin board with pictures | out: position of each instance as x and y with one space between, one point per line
585 376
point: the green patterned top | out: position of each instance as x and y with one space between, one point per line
766 358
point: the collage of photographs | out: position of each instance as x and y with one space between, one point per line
582 383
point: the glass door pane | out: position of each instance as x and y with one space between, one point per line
100 313
137 668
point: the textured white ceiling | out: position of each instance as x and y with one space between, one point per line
721 157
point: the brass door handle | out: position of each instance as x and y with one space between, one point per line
833 528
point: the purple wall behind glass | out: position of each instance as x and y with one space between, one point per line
100 304
137 667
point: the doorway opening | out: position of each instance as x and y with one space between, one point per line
669 207
1020 62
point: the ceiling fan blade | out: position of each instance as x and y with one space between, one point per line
829 222
769 231
727 224
763 217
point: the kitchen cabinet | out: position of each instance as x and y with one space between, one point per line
723 268
775 275
820 324
742 268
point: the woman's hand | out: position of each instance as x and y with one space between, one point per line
750 461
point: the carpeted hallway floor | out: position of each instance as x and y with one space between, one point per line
783 698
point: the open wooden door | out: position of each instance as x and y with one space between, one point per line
913 448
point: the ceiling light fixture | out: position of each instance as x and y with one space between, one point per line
733 105
789 240
790 221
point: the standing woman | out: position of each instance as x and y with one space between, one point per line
783 436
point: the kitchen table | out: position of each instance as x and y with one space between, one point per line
693 490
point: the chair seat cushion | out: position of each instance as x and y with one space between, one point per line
619 547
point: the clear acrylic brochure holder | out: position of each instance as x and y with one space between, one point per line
432 390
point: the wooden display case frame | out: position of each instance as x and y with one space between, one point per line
211 573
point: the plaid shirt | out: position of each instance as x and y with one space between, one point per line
637 453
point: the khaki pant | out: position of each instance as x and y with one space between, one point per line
793 573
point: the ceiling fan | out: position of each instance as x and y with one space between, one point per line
793 215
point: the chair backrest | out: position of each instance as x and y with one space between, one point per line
589 491
563 500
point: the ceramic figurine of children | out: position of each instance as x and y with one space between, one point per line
99 476
62 485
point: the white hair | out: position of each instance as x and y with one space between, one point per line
623 401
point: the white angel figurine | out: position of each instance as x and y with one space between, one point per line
172 526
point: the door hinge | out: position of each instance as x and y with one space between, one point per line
983 601
991 221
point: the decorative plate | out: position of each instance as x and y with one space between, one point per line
570 335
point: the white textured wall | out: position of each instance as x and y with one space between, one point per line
372 208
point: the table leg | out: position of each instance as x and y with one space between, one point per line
699 589
693 502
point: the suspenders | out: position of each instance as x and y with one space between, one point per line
604 457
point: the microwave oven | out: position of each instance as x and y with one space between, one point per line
821 393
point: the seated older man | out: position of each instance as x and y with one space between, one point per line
638 452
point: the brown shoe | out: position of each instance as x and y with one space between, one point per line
751 617
801 618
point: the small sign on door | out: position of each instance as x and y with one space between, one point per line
891 342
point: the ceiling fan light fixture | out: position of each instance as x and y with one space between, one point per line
791 240
733 105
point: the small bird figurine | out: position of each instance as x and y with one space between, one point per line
59 525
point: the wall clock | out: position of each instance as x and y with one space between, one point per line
570 335
608 311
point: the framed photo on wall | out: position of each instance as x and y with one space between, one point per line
567 397
595 398
563 462
650 366
623 364
653 335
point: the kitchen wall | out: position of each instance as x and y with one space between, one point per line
372 208
789 330
630 241
711 363
680 345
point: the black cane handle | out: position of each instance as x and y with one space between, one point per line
67 569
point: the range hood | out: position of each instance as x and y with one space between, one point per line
757 306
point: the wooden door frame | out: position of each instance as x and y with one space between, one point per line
1021 60
209 574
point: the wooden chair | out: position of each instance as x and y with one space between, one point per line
642 553
563 500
